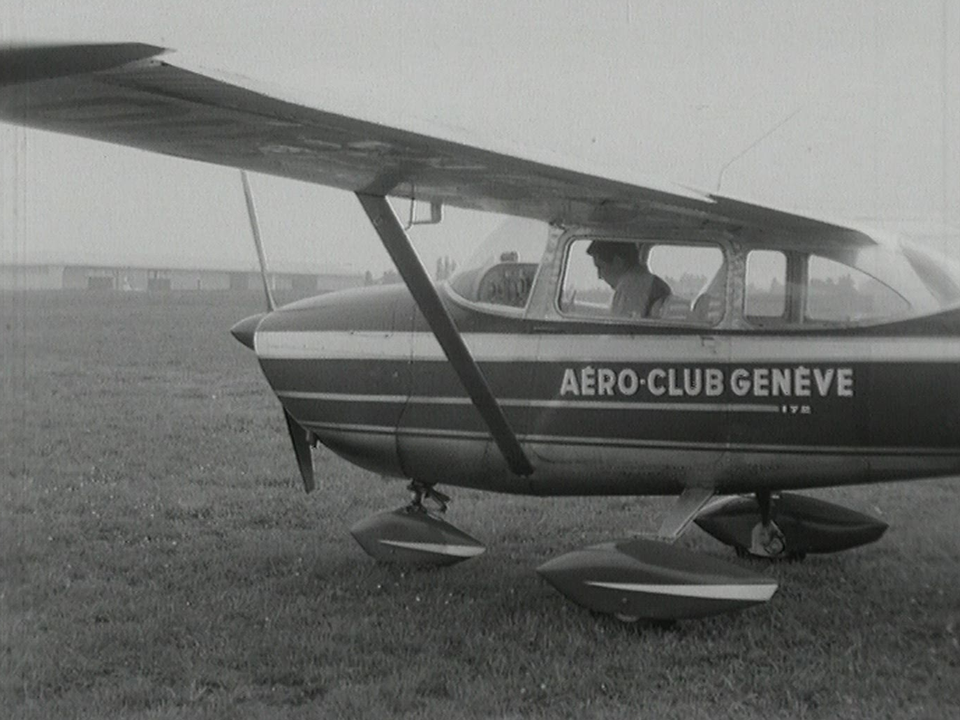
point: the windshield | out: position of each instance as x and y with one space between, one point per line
502 270
939 274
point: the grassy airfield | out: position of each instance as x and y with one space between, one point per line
158 559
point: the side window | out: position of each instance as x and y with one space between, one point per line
665 282
838 293
765 297
697 277
583 292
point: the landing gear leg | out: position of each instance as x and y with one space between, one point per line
415 534
422 492
767 540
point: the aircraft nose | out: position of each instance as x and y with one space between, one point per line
245 329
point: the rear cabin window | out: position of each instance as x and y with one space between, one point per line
648 281
765 296
838 293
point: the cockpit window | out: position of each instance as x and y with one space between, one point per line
501 272
644 280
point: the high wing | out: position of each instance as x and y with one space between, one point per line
130 94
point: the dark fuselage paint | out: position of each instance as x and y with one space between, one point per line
606 409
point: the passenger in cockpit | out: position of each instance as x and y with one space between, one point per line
623 266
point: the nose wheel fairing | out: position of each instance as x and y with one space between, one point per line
414 535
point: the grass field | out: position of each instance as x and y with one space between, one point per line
160 560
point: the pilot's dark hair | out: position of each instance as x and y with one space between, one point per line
607 250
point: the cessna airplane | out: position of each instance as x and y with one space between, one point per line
781 352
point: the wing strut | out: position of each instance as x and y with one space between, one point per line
683 512
414 274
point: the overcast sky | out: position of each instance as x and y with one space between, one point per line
671 89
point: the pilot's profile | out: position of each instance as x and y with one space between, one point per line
623 266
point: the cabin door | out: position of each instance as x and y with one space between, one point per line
630 413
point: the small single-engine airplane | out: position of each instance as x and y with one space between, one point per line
651 340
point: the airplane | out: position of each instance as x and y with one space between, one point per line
788 352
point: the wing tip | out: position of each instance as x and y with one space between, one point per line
32 62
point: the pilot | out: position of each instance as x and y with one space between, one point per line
623 266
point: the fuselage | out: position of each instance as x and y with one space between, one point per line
612 408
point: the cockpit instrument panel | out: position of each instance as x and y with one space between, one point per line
507 283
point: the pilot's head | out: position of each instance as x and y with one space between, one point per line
613 259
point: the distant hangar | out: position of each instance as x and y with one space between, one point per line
48 276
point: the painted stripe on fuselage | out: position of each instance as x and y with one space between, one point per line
639 444
509 347
890 404
752 592
882 406
520 402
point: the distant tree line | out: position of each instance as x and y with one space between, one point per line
446 267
